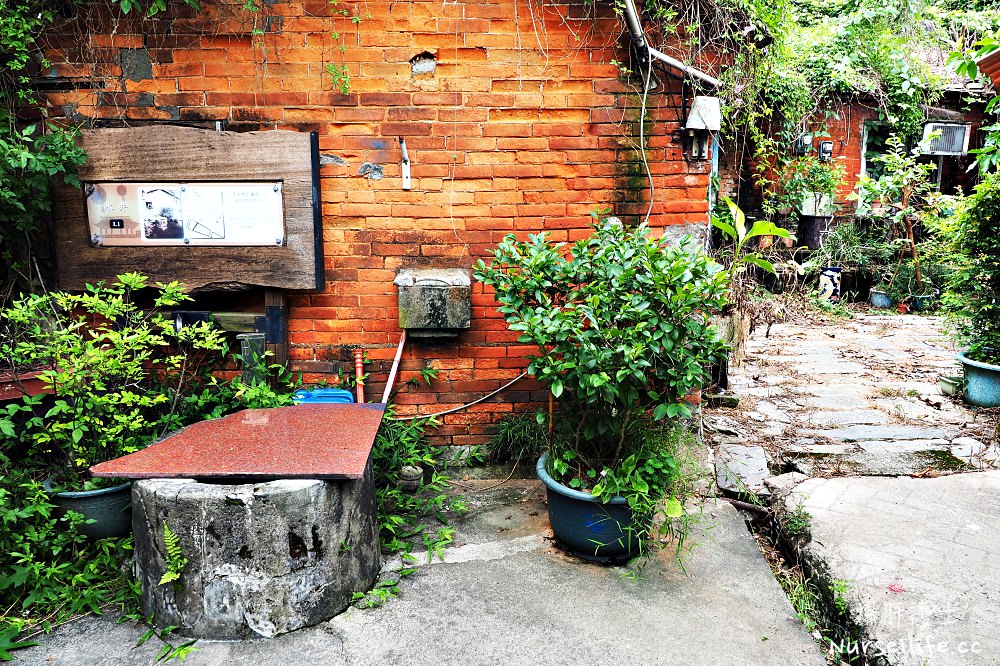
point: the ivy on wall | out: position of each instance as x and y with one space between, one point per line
821 54
34 150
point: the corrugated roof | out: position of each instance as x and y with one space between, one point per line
990 66
937 59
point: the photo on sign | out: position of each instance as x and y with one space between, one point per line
161 213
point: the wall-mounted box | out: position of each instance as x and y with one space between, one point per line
434 302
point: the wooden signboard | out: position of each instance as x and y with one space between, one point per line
237 209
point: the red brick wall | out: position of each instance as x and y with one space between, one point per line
846 131
524 126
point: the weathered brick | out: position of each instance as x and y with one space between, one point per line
502 138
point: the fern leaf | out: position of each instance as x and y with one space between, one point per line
175 559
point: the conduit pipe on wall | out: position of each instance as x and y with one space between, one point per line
465 406
359 375
639 39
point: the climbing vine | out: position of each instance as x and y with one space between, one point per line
790 65
340 75
34 150
963 60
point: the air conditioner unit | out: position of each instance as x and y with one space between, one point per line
953 139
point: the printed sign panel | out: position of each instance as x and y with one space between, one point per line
239 214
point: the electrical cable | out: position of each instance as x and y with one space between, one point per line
461 407
472 489
642 133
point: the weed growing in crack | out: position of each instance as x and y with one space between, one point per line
804 597
839 588
797 523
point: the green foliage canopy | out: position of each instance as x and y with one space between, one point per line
622 324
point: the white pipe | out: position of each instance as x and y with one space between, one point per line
690 71
404 170
395 366
461 407
639 38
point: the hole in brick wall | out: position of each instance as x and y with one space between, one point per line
423 64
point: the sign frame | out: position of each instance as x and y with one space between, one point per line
184 154
192 213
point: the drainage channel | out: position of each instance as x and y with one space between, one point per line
818 598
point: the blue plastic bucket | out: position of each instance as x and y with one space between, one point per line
880 299
982 382
323 396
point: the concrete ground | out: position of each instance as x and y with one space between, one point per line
921 557
505 594
905 499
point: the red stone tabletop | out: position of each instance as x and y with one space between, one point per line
303 441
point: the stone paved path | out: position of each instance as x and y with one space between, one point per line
922 558
911 516
859 397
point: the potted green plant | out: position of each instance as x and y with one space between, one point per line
902 189
840 254
973 291
117 374
621 323
808 184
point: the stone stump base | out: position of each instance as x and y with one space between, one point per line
262 558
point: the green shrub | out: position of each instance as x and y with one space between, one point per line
621 321
973 288
518 437
621 324
50 572
121 376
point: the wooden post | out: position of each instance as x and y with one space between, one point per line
277 298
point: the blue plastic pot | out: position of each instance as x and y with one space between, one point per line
982 382
921 303
110 508
880 299
593 530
